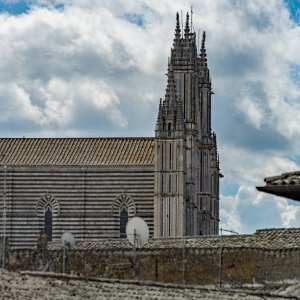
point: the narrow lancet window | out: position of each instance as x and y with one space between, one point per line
170 156
162 155
123 223
48 223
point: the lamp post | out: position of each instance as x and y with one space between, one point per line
221 250
4 217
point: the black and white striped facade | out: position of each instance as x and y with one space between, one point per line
86 200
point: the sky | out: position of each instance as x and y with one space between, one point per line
74 68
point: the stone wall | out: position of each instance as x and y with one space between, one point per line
170 265
267 255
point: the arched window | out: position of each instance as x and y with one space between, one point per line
122 209
47 200
123 223
47 209
48 223
123 202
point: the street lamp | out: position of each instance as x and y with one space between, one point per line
4 217
221 250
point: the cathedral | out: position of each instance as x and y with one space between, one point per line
93 186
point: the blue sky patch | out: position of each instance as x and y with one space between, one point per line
294 9
135 19
228 189
21 7
16 8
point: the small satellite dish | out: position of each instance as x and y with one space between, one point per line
68 240
137 231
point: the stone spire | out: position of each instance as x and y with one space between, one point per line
202 63
170 98
160 114
183 142
203 60
187 27
177 29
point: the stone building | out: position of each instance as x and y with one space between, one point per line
92 186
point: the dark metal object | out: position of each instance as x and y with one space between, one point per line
287 191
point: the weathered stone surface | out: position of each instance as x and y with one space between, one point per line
267 255
282 238
50 286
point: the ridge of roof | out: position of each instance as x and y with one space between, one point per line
79 138
267 239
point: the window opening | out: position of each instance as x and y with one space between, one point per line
48 223
123 223
162 155
170 156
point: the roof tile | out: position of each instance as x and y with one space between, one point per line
77 151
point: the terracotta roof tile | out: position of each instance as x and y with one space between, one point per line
268 239
77 151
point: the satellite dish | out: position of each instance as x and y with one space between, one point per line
137 231
68 240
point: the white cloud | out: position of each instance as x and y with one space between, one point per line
22 106
252 110
248 209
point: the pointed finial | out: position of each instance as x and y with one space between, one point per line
159 116
187 26
192 18
177 29
203 60
170 97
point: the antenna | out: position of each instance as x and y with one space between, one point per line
68 242
4 217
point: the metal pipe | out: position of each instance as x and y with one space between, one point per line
134 254
65 258
220 260
183 260
4 217
221 254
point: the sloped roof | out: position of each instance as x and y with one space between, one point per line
77 151
269 239
285 185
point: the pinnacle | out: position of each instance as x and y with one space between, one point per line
203 60
187 26
177 29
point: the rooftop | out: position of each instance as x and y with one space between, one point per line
32 285
76 151
285 185
273 239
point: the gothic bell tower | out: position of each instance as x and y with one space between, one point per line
186 196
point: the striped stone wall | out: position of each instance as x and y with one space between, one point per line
83 200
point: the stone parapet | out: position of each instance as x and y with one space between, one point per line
267 255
